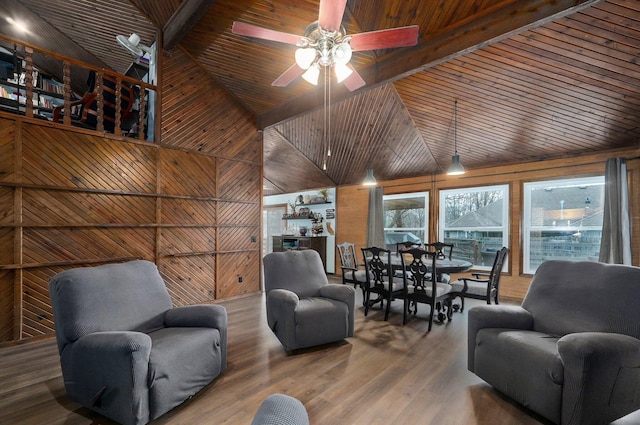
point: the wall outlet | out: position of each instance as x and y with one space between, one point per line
240 279
254 239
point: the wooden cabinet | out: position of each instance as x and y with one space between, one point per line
317 243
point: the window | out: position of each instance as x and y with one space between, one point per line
562 220
476 221
406 218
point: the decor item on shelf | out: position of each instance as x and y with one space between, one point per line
300 200
325 194
456 167
304 212
293 206
303 231
132 44
369 180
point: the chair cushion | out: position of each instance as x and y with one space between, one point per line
441 289
473 288
182 361
319 321
530 372
360 276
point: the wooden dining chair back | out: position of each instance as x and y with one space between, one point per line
380 279
421 285
352 272
482 286
403 246
443 250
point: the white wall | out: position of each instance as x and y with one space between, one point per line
294 225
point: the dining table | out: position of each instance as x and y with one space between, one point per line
443 265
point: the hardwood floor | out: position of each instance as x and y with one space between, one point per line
386 374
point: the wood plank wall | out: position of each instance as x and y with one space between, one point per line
351 213
191 204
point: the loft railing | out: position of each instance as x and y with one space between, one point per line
38 83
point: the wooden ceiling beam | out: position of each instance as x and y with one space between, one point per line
183 20
435 49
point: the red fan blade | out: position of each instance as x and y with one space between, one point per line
330 16
353 81
288 76
385 39
249 30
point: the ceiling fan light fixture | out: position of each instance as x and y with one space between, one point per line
369 180
342 71
341 53
312 74
456 167
305 57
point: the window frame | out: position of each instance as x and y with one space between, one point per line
427 212
506 218
527 228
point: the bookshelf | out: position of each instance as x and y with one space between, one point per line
46 92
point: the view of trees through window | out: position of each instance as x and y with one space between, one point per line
405 219
476 221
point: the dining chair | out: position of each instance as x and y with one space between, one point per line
443 250
483 286
351 271
422 286
380 279
403 246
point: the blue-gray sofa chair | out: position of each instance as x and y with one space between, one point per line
571 351
125 352
303 308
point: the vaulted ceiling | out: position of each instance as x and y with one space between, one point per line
533 79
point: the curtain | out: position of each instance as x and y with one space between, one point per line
375 220
615 246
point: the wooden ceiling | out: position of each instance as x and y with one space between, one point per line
533 79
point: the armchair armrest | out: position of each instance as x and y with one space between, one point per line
494 316
601 376
281 305
478 275
346 294
110 369
202 315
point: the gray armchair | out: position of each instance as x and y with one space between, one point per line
303 308
571 351
125 352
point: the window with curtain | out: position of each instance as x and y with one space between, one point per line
562 220
406 218
476 221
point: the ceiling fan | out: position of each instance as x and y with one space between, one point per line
326 44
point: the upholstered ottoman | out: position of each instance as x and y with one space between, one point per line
281 409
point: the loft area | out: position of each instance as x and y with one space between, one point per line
37 84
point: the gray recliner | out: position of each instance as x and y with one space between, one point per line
125 352
303 308
571 351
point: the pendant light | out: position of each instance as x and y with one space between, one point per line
369 180
456 167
